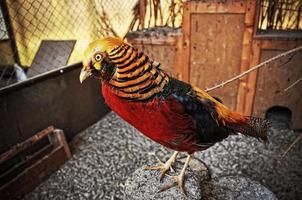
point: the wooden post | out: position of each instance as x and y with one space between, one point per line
179 66
8 25
186 41
60 138
142 13
245 55
252 78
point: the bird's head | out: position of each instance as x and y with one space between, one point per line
96 61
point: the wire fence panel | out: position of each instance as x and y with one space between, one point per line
35 20
26 24
30 28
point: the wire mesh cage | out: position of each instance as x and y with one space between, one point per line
38 36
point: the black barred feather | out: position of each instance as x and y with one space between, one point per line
256 127
136 76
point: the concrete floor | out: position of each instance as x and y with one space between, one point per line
108 151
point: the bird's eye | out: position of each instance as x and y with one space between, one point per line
98 57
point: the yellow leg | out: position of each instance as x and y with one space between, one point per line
179 180
164 167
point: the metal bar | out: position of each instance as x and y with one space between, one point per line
42 77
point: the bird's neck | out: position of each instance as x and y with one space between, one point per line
136 77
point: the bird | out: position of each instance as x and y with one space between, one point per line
173 113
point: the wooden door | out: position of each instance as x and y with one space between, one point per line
213 41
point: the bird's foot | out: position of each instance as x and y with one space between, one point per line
163 167
177 180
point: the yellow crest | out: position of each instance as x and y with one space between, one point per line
101 45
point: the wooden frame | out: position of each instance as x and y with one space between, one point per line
154 41
26 175
186 41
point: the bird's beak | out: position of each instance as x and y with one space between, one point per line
84 74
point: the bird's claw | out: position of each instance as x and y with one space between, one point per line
177 180
162 167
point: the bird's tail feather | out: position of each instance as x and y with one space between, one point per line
255 127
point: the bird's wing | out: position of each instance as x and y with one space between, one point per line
195 99
208 129
221 113
226 119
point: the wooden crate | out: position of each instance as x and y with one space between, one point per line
27 174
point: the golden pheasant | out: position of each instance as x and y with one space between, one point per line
171 112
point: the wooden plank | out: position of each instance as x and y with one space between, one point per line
252 78
186 29
62 141
279 44
250 13
217 7
245 62
34 175
179 67
246 54
154 41
27 143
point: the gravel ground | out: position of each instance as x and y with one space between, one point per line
108 151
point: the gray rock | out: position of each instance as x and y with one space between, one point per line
235 187
145 184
